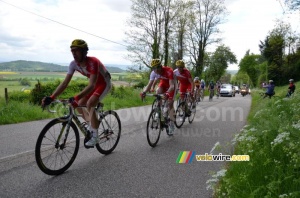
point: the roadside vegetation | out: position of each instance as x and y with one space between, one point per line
24 101
271 139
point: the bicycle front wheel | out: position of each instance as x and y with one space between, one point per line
180 115
109 132
153 127
193 112
55 151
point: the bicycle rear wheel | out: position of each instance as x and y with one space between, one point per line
153 127
109 132
193 112
180 115
52 154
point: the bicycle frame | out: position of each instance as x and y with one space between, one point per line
73 116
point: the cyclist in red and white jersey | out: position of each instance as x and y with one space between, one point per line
99 85
166 86
184 77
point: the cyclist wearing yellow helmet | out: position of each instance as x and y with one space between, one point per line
98 86
184 77
166 85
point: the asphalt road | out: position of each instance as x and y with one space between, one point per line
134 169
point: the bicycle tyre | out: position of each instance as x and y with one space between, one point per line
109 136
180 115
192 116
154 104
154 127
202 95
52 157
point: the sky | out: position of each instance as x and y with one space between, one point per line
42 30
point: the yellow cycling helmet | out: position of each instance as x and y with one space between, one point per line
180 63
79 43
156 62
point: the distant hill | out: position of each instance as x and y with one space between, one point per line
31 66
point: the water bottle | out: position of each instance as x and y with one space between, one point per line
165 111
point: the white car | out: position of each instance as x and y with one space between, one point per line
227 90
236 89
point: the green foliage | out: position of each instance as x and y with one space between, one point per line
25 82
271 139
17 111
219 62
250 65
19 96
119 97
41 90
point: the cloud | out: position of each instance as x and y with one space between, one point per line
42 30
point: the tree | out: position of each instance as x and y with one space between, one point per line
293 4
145 36
273 50
219 62
206 16
250 65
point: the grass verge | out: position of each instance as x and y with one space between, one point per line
271 139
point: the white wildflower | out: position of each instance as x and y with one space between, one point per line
280 138
296 126
283 195
215 179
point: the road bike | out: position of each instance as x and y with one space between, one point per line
186 108
197 94
211 94
158 120
202 94
58 143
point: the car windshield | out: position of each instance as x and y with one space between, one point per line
226 86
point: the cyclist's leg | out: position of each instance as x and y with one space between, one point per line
171 113
97 95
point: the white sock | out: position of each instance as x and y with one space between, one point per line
95 132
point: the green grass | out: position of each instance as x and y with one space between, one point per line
272 140
16 111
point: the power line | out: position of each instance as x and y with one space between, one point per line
62 23
281 6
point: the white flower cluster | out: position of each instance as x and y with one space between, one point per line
280 138
215 179
297 126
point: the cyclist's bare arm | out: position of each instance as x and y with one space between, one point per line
154 84
62 86
148 87
172 85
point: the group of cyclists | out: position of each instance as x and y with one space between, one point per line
100 84
170 80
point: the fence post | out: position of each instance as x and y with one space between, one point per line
6 95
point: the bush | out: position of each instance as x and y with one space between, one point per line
19 96
41 90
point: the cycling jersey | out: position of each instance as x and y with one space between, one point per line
197 83
183 78
93 66
202 85
164 77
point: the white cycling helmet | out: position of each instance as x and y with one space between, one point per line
202 80
291 80
196 78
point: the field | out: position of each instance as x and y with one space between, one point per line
11 80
